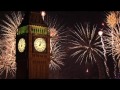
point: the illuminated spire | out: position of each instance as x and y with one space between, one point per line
33 18
43 14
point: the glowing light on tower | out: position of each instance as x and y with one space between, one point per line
43 14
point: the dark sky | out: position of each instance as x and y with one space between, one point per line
72 17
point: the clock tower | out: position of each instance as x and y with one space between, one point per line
32 48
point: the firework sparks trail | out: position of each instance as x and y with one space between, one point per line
105 61
57 38
86 43
56 57
83 42
113 20
8 49
112 42
43 13
116 46
115 63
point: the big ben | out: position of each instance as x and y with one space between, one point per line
32 48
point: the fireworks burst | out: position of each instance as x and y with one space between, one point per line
116 42
85 42
104 50
57 30
57 55
112 42
111 37
8 49
107 39
56 40
112 19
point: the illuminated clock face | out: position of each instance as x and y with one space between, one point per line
21 45
40 44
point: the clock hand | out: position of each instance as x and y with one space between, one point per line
39 44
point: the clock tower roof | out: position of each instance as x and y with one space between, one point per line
33 18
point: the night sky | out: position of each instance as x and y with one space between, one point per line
72 17
73 70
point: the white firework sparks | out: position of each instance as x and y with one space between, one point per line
104 50
9 29
116 42
112 42
107 38
111 37
57 55
86 42
56 40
